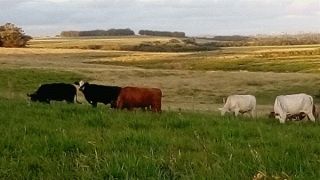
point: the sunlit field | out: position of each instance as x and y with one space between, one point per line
188 140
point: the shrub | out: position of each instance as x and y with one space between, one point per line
174 41
170 46
12 36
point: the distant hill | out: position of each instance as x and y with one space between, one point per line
264 40
162 33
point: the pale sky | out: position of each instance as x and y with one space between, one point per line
195 17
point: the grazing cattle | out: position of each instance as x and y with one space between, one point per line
55 91
294 104
240 104
98 93
136 97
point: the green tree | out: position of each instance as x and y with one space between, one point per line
12 36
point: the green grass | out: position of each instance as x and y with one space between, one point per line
64 141
72 141
16 83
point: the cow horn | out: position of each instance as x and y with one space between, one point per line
224 100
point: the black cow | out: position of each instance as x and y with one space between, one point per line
55 91
98 93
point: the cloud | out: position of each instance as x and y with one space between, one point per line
305 8
191 16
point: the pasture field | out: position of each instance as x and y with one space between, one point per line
299 58
75 141
189 140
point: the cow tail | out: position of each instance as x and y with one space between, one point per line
314 110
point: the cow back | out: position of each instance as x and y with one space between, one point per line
56 90
131 97
294 103
101 93
242 102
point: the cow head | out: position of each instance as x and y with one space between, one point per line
81 84
222 111
280 117
33 97
272 114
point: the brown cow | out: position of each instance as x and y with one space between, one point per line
136 97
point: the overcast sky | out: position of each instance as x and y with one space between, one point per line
195 17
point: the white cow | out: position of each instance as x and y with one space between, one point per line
293 104
240 104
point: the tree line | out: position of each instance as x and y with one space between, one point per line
110 32
120 32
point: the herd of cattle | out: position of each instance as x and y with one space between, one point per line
119 97
286 107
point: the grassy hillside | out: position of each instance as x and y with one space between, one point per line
73 141
298 58
125 43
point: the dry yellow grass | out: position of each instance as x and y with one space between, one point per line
107 42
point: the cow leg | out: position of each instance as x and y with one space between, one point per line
311 117
70 100
46 101
253 113
147 108
94 104
158 107
236 112
113 105
43 100
155 108
119 104
282 118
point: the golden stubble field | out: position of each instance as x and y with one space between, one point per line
186 79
